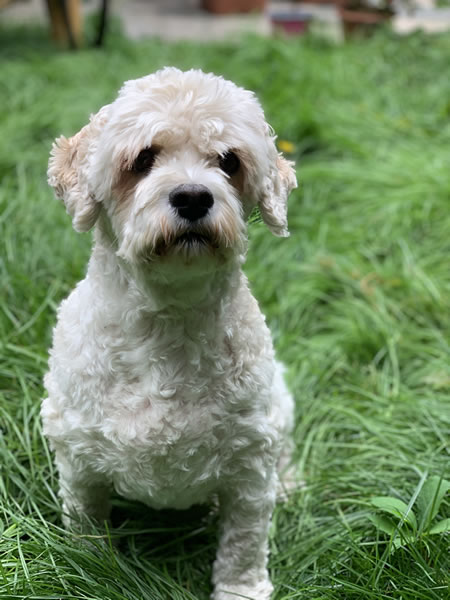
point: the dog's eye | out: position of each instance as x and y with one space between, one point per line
144 160
229 163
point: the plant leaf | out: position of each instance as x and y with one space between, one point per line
430 498
255 216
395 507
384 524
397 543
441 527
10 531
403 540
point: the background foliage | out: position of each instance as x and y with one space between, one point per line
358 299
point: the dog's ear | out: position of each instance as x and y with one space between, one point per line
273 199
67 172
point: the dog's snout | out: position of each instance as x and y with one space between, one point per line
191 201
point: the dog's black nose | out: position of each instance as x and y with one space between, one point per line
192 201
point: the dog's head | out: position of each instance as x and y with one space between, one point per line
173 167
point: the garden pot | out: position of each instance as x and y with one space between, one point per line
222 7
362 21
290 23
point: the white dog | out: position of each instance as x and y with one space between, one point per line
162 382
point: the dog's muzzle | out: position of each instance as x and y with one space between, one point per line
191 201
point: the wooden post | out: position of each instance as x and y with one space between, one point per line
66 21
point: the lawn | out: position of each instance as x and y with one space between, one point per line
358 299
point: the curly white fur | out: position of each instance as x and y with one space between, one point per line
162 381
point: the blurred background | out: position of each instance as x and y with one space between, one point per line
357 298
217 19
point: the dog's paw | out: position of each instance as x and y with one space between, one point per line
260 591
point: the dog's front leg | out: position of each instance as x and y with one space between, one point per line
240 569
84 494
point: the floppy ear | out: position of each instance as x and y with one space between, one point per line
273 200
67 173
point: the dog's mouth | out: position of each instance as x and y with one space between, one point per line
188 243
192 238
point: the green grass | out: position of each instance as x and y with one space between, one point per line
358 300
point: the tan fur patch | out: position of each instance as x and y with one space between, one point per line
286 173
123 189
238 179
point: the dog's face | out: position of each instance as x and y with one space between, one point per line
173 167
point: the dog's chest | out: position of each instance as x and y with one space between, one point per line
163 409
168 417
167 380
